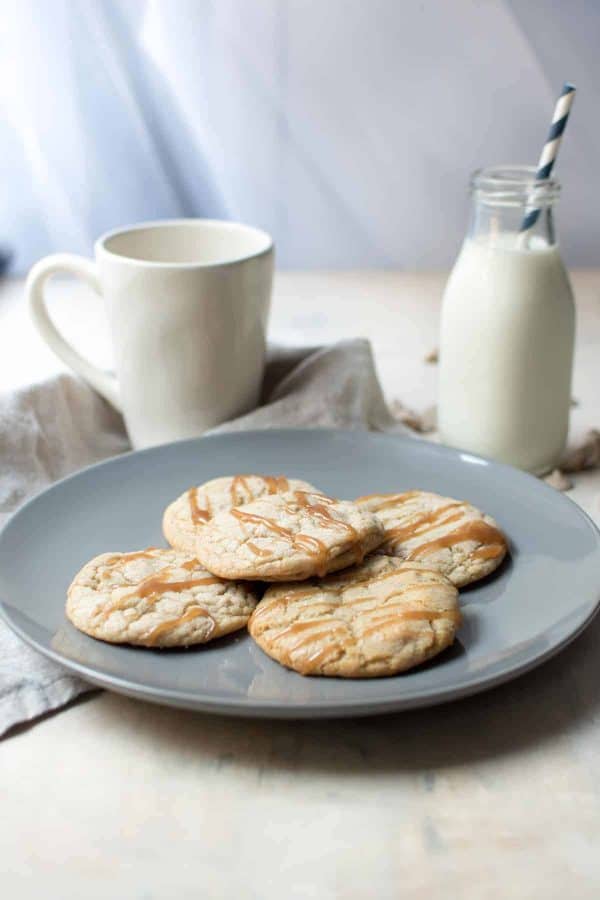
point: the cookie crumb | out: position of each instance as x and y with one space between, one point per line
429 420
585 456
422 423
558 480
433 357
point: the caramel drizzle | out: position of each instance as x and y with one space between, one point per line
388 499
313 546
257 550
307 640
303 498
423 524
493 551
276 484
155 586
300 627
268 606
318 630
323 516
475 530
431 614
369 580
407 589
322 629
254 519
414 615
320 656
239 485
199 515
148 553
320 512
191 614
241 492
366 583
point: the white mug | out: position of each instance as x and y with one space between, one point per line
187 303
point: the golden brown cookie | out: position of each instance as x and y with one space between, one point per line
379 618
196 506
448 535
156 598
287 537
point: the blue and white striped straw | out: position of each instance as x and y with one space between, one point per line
551 147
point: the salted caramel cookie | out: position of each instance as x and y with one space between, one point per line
156 598
196 506
448 535
287 537
378 618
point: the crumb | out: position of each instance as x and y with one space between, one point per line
559 480
423 423
585 456
429 420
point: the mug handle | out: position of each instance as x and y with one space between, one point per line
104 382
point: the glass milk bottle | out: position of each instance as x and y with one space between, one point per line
508 327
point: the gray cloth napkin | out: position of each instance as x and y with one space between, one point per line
51 429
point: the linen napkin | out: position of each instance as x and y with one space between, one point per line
51 429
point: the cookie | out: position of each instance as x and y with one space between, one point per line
287 537
448 535
198 505
155 598
379 618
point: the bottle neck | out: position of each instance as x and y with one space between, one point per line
510 206
489 224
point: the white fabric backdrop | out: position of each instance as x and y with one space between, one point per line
347 128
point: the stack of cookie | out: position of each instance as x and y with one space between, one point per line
325 586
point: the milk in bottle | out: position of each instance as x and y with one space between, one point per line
507 330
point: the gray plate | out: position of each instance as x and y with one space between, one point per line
539 600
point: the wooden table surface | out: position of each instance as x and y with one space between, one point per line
493 797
